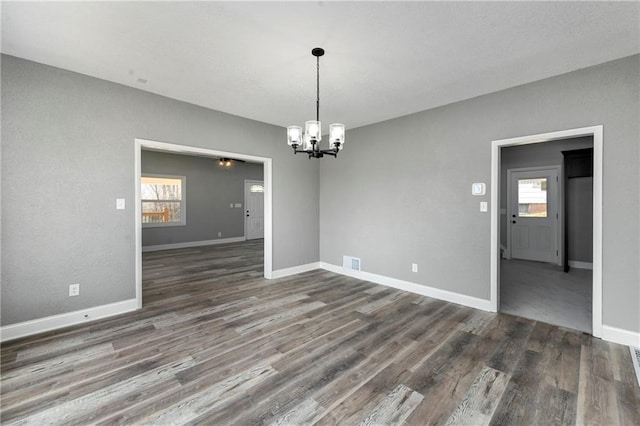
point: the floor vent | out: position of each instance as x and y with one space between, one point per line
349 262
635 356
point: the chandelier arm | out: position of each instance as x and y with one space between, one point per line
329 152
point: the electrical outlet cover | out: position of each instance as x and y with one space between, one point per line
74 289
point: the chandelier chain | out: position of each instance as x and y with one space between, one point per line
317 88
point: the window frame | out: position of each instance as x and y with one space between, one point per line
183 201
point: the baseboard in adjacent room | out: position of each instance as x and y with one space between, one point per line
192 244
580 265
54 322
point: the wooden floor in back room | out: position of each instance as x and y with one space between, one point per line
215 343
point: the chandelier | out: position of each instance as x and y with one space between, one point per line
309 141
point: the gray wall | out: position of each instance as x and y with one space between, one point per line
580 202
210 188
401 190
68 153
399 193
581 211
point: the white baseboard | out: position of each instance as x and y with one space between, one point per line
40 325
422 290
621 336
280 273
580 265
192 244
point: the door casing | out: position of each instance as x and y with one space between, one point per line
496 145
266 162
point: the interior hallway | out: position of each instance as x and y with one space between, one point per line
543 292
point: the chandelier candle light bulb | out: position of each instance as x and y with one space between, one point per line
309 141
336 135
312 128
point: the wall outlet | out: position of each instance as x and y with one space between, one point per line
484 207
120 204
219 234
414 267
74 289
230 205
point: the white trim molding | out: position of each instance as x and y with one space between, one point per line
597 133
192 244
621 336
423 290
140 144
54 322
579 264
281 273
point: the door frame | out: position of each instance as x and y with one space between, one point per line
244 190
559 227
597 133
151 145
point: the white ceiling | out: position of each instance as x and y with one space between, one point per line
383 59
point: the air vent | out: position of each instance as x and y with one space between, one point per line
349 262
635 357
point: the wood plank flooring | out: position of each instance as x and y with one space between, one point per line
217 344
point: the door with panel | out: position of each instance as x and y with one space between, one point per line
533 214
254 209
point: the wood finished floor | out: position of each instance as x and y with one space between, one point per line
217 344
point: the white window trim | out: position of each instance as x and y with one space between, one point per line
183 201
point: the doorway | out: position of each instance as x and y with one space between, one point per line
266 162
254 209
595 132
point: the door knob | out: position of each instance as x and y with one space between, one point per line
513 221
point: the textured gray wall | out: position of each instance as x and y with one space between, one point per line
401 190
550 154
210 188
68 153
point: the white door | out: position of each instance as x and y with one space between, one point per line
533 214
254 209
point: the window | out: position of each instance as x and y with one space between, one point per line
256 188
532 197
163 201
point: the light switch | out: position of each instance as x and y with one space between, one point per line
120 203
484 207
230 205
